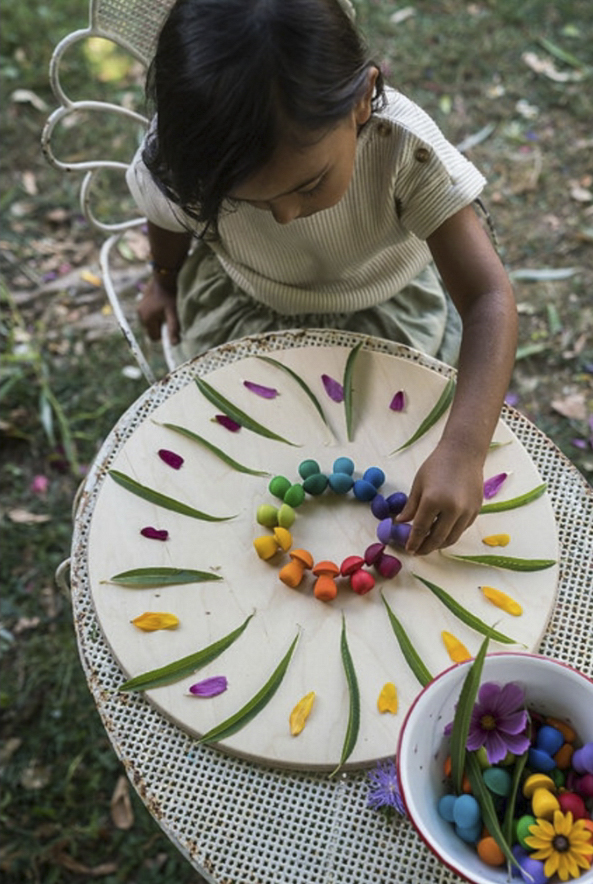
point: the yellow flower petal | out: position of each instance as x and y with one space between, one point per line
456 650
150 621
562 822
387 701
502 600
551 864
563 872
544 853
300 713
496 540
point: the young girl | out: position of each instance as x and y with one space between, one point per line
320 198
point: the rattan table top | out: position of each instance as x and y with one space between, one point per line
237 821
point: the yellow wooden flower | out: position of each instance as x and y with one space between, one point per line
300 713
563 844
456 649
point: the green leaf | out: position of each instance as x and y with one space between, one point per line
502 505
347 384
413 659
508 563
301 384
236 414
439 409
183 431
462 717
353 725
464 615
185 665
159 499
507 823
254 706
141 578
489 817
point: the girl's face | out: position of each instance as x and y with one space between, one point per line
300 181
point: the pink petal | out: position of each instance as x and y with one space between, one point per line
227 422
209 687
155 533
333 388
39 484
260 390
171 458
398 402
493 485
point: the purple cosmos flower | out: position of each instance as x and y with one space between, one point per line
260 390
333 388
171 458
398 402
384 791
209 687
498 721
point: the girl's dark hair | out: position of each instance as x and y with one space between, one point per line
230 76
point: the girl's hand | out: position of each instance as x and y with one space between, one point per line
444 500
156 306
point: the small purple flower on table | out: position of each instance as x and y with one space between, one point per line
171 458
333 388
398 402
498 721
260 390
154 533
209 687
384 793
493 485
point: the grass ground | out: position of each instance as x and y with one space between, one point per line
518 74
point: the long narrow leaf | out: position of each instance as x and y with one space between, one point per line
301 384
236 414
462 717
464 615
507 563
486 803
353 725
412 657
439 409
512 504
168 503
348 387
254 706
185 665
509 814
144 578
183 431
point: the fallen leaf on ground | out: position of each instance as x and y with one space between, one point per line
122 814
24 517
572 406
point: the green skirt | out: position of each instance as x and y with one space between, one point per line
213 310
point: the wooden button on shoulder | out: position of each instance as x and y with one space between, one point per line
422 154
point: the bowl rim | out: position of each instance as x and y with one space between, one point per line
455 667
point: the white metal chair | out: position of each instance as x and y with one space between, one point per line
133 26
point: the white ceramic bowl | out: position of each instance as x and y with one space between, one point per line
551 688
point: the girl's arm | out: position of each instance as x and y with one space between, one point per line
157 305
447 491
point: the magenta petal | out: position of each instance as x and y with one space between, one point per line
154 533
493 485
398 402
171 458
209 687
333 388
260 390
227 422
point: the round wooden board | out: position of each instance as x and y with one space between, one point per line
331 527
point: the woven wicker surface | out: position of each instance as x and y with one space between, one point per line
133 23
241 822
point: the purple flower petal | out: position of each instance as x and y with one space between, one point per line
171 458
384 792
511 725
493 485
517 743
398 402
209 687
227 422
260 390
333 388
496 747
155 533
511 698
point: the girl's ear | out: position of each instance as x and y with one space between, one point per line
363 108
